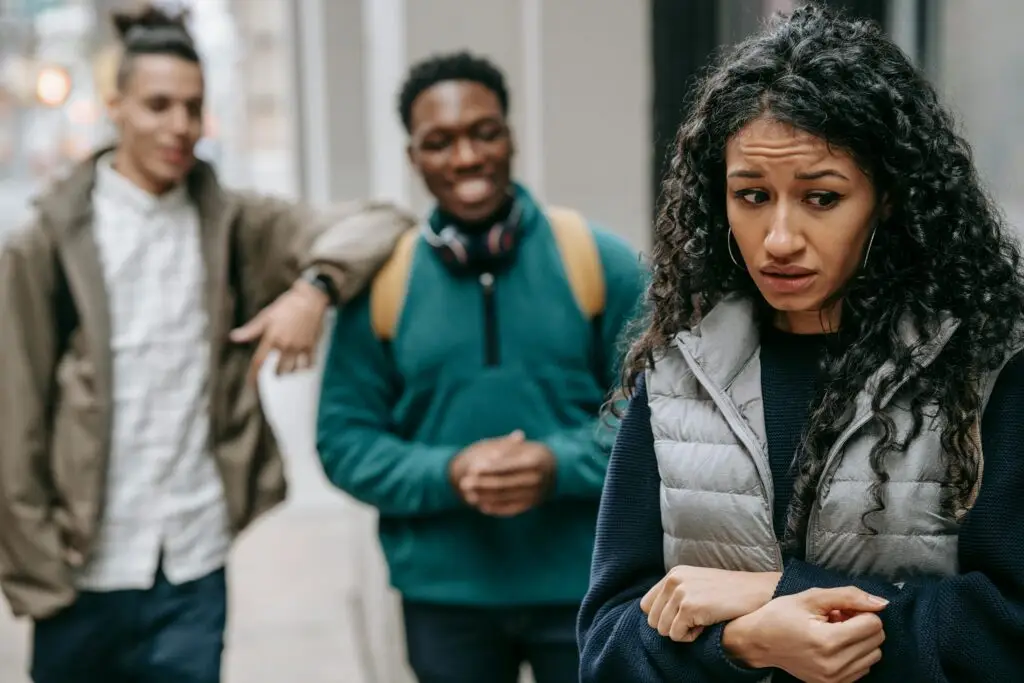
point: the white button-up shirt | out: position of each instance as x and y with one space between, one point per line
164 497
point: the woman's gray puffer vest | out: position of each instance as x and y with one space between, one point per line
716 487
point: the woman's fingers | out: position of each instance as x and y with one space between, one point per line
669 612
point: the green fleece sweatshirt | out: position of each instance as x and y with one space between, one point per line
393 415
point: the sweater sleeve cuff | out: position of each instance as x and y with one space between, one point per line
447 496
798 577
717 661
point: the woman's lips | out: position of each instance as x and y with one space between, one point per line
788 284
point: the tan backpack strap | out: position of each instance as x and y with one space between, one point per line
387 292
581 258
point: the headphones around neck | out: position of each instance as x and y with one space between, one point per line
489 249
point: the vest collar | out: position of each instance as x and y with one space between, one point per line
728 337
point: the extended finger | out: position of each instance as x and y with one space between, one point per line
250 331
286 363
259 357
509 462
658 606
845 598
647 602
302 361
523 479
670 611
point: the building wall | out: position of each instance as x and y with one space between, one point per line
578 71
265 73
979 65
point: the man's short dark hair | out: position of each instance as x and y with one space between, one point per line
152 31
457 66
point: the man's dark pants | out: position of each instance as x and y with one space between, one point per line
164 634
483 645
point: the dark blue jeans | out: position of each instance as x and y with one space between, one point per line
483 645
165 634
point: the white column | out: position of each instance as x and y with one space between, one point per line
531 141
386 62
316 162
903 25
773 6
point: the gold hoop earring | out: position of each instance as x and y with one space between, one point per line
728 246
867 250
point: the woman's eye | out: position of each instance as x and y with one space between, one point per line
824 200
752 196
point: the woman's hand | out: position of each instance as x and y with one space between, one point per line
800 634
690 598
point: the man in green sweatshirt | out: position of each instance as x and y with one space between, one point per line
461 397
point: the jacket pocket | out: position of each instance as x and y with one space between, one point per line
77 464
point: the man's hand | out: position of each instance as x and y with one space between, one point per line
513 483
473 456
292 325
690 598
504 477
798 634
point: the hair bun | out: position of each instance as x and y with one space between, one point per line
131 26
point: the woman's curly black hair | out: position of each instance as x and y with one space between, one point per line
944 249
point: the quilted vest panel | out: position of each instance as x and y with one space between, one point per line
716 496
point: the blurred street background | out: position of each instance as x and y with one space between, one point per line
302 97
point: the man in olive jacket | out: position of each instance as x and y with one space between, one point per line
133 310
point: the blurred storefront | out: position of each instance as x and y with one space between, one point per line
48 108
302 92
58 61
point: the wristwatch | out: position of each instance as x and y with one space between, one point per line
323 282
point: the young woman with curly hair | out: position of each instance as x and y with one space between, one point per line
819 475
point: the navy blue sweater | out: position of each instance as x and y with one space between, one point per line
964 628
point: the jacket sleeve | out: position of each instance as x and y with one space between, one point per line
581 454
616 642
356 440
349 242
33 572
968 627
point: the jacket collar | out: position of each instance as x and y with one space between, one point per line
67 206
114 186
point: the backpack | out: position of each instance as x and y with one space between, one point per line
580 257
